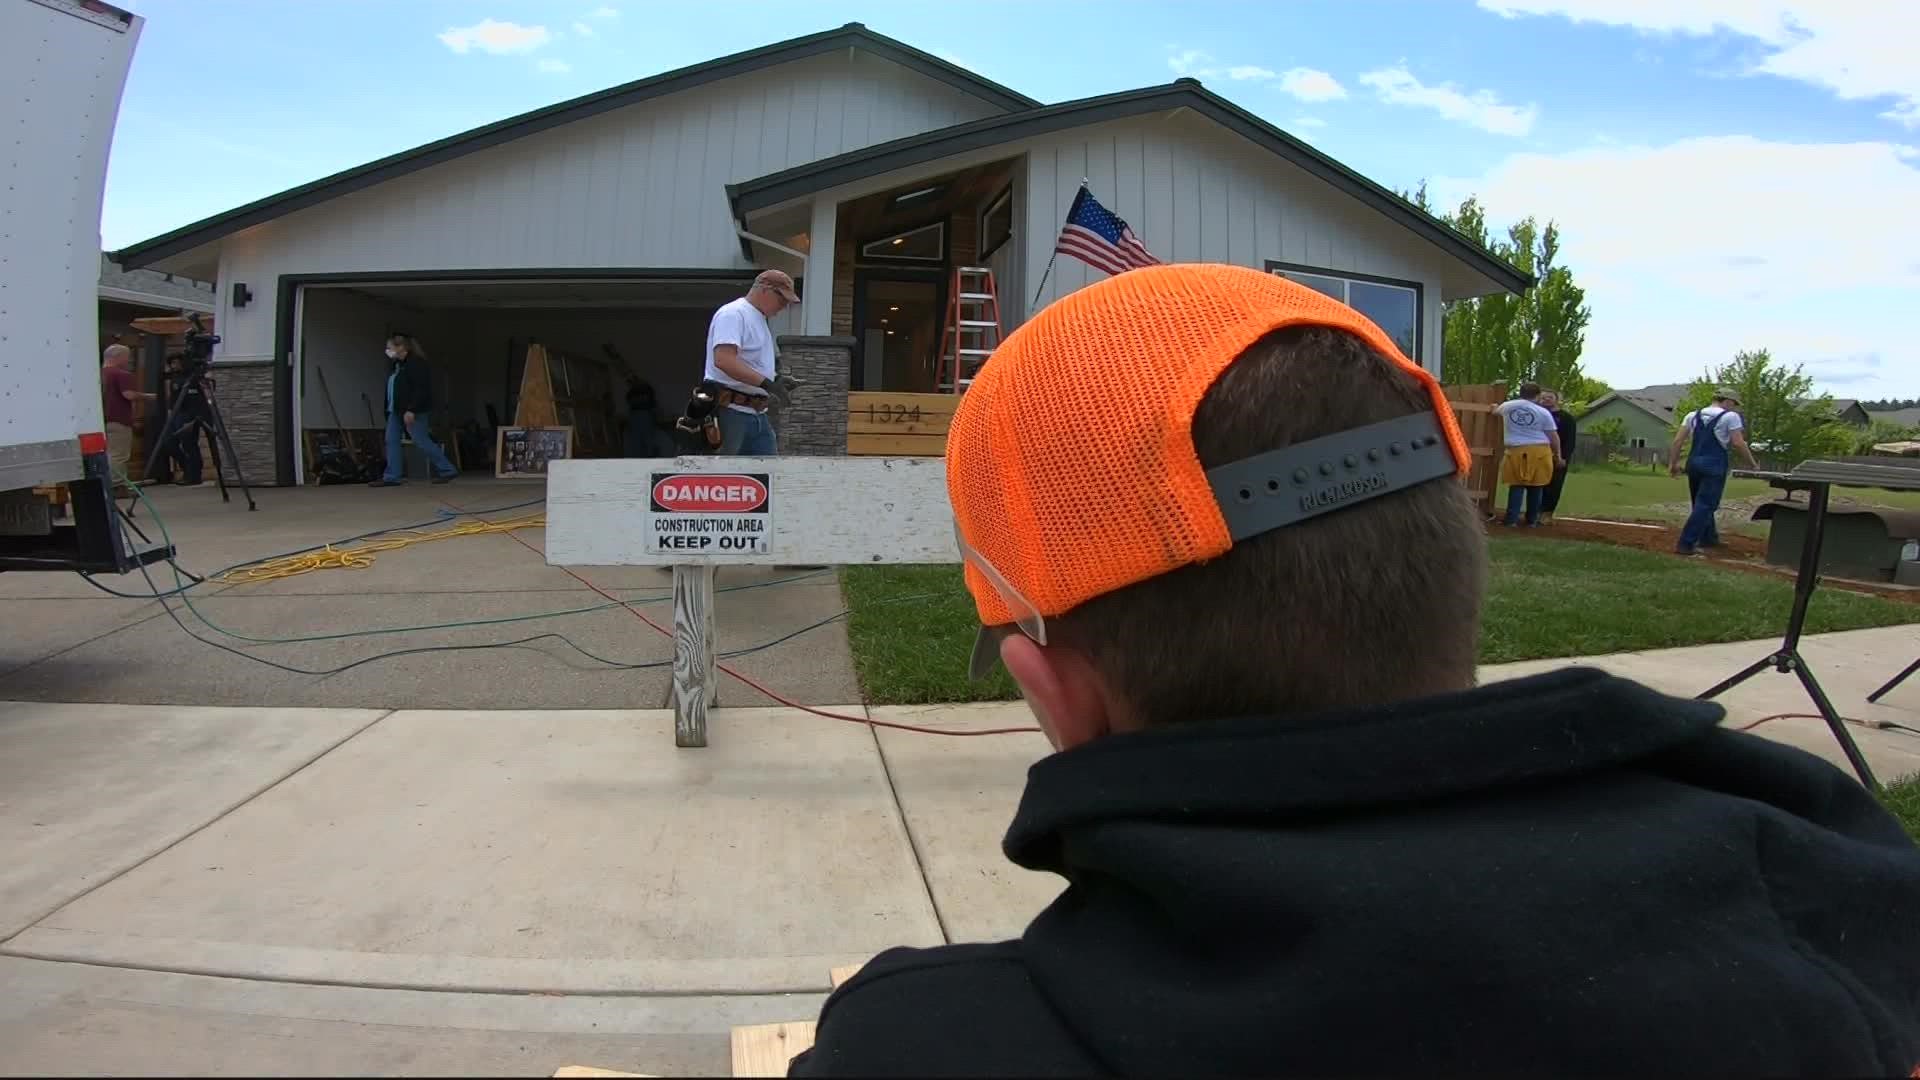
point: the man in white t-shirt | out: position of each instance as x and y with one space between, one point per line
1533 451
740 362
1713 431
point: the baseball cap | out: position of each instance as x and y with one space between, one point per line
779 282
1727 393
1052 510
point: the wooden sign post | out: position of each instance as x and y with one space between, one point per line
696 513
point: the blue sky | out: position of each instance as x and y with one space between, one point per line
1728 173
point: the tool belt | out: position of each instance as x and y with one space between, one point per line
702 421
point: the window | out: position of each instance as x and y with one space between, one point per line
996 224
926 244
1393 306
1637 444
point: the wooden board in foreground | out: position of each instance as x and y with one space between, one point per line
767 1049
588 1070
842 974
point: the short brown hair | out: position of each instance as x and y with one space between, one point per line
1529 390
1375 603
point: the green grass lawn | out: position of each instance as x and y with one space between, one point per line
912 626
1903 798
1630 493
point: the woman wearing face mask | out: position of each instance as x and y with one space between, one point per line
409 400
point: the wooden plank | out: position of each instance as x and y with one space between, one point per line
824 511
588 1070
842 974
694 688
858 424
1471 407
896 445
768 1049
860 401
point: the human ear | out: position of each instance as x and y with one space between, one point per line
1061 687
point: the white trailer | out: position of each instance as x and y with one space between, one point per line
63 67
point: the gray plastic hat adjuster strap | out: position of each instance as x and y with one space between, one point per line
1281 487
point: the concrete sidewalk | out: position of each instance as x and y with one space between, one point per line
306 891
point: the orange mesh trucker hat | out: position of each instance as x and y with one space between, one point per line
1070 459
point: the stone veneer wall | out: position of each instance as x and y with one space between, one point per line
244 392
816 423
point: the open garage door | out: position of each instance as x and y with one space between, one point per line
622 333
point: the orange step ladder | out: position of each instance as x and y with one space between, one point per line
973 328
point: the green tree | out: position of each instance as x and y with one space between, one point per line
1536 336
1881 431
1785 421
1610 433
1578 394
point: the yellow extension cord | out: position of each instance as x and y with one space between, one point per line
360 555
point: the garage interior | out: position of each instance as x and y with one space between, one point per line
476 335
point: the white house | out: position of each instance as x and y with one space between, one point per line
866 168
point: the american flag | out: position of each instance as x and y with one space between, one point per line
1097 237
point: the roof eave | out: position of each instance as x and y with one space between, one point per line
210 229
790 184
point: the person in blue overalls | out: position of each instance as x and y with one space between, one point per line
1713 431
409 399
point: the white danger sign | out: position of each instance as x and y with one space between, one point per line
710 514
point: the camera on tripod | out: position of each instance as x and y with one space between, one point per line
199 347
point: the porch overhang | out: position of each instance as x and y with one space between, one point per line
789 187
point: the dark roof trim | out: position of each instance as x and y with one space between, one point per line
776 188
1609 398
852 35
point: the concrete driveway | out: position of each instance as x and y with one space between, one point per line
65 641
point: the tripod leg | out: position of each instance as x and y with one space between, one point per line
1837 725
1725 685
1895 681
226 441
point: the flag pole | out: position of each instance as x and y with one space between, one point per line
1056 248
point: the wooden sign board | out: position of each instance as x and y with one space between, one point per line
695 513
523 452
823 511
896 425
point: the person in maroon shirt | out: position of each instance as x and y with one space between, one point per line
117 395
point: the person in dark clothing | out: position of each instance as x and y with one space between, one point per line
409 400
185 427
1569 430
1243 608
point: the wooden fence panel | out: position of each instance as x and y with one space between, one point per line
1474 406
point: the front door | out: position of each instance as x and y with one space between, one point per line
898 319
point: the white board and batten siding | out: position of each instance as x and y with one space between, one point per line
1194 192
824 511
640 186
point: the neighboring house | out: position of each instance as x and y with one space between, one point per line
126 295
1647 413
1906 418
1850 411
866 168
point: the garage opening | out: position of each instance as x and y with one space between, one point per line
616 339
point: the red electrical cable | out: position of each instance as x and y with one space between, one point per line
789 702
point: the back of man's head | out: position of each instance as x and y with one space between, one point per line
1367 599
1529 391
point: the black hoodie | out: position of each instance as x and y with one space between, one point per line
1567 874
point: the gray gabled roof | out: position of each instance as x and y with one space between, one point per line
801 180
1657 401
852 35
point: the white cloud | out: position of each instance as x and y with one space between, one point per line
495 37
1480 108
1310 85
1191 63
1693 250
1858 49
554 67
583 29
603 13
1250 72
